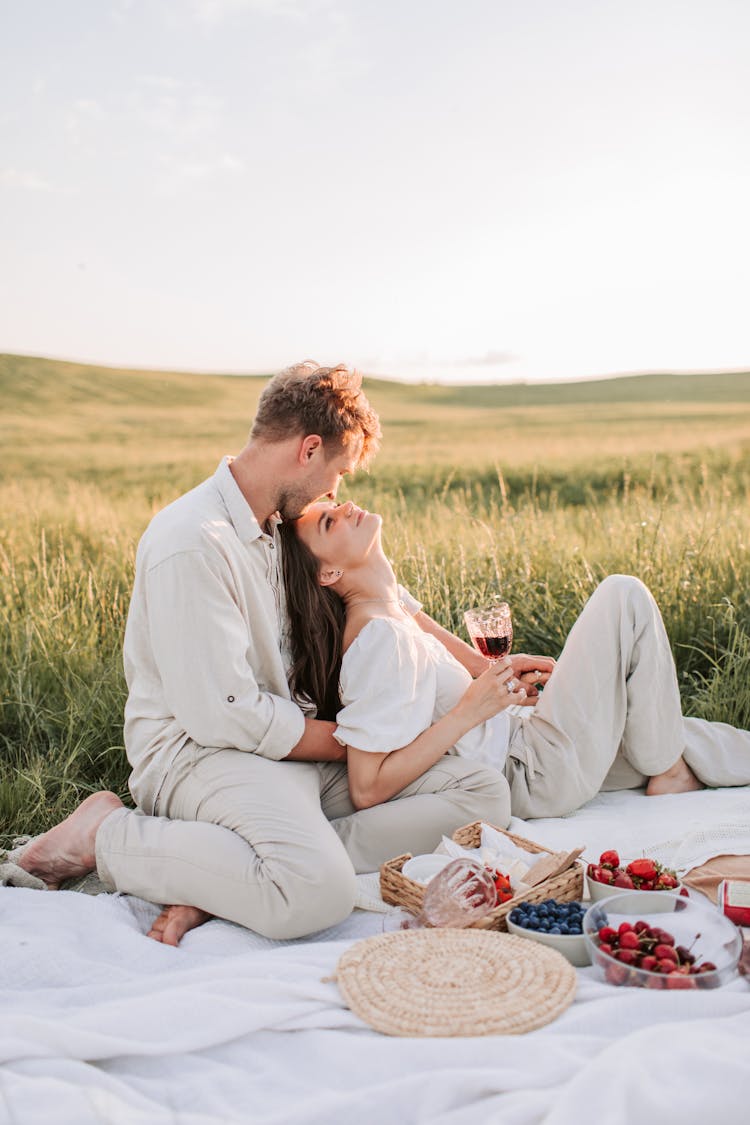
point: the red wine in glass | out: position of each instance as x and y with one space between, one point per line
492 647
491 630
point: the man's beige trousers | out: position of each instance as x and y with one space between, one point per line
275 845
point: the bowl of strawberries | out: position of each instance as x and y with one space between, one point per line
610 877
661 941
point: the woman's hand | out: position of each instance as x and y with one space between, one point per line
532 671
493 691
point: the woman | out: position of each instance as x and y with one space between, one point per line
609 716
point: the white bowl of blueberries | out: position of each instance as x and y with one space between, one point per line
553 923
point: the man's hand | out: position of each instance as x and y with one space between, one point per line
532 671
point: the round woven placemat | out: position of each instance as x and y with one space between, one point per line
454 982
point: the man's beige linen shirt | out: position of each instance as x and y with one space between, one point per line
205 653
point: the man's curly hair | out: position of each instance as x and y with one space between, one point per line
328 401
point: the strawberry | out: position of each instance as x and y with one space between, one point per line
609 859
502 887
666 882
624 880
642 868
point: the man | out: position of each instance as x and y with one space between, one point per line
243 804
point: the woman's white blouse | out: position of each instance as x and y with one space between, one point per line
396 681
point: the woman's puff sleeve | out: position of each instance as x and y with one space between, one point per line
387 688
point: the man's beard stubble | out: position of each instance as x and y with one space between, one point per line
294 502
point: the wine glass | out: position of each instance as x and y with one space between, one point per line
491 630
460 894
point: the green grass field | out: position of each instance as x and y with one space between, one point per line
538 491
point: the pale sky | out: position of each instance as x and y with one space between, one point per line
430 189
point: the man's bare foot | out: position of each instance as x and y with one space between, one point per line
678 779
67 850
175 921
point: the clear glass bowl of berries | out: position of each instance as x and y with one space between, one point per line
553 923
611 876
653 939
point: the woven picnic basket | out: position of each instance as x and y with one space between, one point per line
398 890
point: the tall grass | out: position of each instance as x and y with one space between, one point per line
537 492
66 566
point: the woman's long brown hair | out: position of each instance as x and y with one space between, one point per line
316 616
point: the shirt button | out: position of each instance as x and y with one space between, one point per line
272 545
230 699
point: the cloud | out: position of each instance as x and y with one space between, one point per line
216 11
181 111
80 117
23 180
177 172
159 82
491 358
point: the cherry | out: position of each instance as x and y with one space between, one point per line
679 980
616 974
627 956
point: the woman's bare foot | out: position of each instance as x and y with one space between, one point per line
678 779
175 921
67 850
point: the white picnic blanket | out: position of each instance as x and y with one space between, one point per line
99 1024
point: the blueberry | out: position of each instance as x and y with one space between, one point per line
555 930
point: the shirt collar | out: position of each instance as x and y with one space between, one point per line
239 511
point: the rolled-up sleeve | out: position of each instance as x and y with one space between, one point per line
203 648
